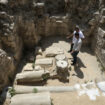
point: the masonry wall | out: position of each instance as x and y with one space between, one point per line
24 22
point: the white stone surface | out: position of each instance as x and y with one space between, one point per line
31 99
37 68
101 86
101 32
29 89
61 64
60 57
53 51
90 90
44 62
28 67
4 1
31 76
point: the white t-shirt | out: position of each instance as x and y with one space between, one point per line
77 45
80 36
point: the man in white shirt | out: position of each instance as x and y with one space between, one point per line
77 30
76 48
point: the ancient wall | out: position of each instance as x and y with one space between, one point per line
10 46
100 43
24 22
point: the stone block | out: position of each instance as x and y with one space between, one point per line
92 22
3 1
31 99
28 67
53 51
60 57
102 21
31 76
44 62
101 32
38 68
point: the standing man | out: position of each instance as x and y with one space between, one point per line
77 30
76 48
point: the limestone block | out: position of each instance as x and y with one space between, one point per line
3 1
60 57
31 99
37 68
101 86
101 32
103 52
31 76
92 22
53 51
62 69
29 89
44 62
103 11
62 65
102 21
38 4
38 50
28 67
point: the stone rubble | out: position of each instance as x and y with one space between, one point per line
23 23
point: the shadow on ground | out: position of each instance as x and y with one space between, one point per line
77 69
48 41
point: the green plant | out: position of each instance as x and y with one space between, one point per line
52 102
70 68
33 65
45 76
35 90
12 92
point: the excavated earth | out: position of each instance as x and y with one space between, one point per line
35 66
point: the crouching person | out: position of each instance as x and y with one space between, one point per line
76 48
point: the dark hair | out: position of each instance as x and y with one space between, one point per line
76 34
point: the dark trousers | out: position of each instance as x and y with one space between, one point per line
71 47
74 54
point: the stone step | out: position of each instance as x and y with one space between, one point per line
31 76
31 99
31 89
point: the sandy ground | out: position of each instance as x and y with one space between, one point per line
86 70
72 98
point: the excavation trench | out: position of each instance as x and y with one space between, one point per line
44 75
39 72
46 63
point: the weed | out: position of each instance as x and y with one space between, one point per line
35 90
12 92
45 76
70 69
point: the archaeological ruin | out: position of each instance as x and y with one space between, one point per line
34 58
